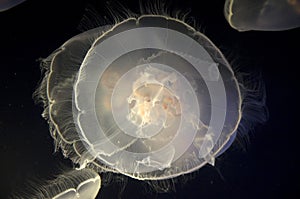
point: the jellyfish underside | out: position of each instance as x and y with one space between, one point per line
273 15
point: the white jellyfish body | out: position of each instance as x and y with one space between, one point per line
150 98
273 15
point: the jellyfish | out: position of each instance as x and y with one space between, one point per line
8 4
150 98
270 15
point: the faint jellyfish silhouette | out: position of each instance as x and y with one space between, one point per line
272 15
150 98
8 4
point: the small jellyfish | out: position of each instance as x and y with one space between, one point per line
272 15
8 4
149 97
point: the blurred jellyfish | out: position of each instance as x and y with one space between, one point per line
149 97
8 4
271 15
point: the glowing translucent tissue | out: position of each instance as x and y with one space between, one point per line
149 97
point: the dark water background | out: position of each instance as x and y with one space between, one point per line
269 168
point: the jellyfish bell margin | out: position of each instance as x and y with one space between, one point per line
81 184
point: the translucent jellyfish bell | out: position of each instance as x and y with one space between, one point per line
246 15
150 98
